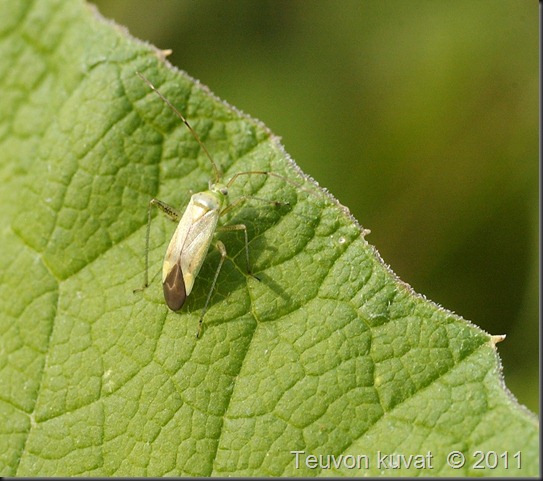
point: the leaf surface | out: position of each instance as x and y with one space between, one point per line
325 353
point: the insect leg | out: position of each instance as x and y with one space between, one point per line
222 251
173 215
243 227
243 198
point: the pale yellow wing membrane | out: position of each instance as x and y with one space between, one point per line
196 247
193 236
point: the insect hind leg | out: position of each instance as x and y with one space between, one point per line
172 214
170 211
222 251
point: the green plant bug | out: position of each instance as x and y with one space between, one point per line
196 227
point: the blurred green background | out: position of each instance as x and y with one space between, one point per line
420 116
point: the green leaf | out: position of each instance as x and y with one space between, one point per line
326 354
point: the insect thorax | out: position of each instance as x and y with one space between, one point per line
209 200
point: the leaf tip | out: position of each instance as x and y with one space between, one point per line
497 338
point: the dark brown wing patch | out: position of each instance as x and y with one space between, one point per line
174 288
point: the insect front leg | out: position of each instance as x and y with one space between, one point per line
172 214
222 251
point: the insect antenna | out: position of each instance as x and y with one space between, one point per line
185 121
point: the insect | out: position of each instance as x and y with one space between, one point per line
193 236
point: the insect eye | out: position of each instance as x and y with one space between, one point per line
224 191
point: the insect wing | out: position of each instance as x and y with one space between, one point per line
189 245
175 292
196 246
